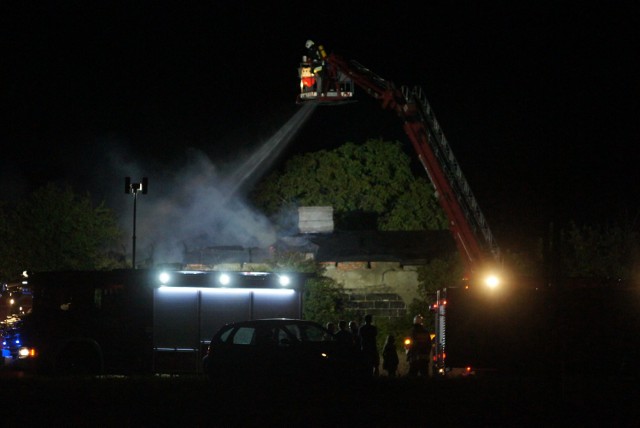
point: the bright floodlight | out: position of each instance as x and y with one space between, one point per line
224 279
164 278
284 280
492 281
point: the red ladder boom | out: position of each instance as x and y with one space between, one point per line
467 224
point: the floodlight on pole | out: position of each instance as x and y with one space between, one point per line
134 189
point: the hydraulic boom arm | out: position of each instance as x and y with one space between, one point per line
470 230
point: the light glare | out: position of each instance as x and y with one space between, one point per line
26 352
284 280
492 281
224 279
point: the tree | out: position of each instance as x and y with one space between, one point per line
435 275
374 177
323 298
440 273
55 229
601 251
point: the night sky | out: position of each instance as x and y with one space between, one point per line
539 102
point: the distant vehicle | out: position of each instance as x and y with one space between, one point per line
138 321
279 348
10 335
15 300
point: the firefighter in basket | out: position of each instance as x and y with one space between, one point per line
418 348
316 55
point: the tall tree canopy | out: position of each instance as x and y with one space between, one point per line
370 178
55 229
602 251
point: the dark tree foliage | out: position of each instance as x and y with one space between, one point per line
609 251
437 274
56 229
440 273
323 298
373 178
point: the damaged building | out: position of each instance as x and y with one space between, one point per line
378 269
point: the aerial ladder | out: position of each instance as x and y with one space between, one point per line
331 79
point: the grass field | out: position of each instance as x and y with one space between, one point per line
381 402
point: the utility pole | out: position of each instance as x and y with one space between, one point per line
134 189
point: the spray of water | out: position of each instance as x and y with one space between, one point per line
264 156
196 206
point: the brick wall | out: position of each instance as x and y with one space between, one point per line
380 305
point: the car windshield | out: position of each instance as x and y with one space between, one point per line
309 332
262 334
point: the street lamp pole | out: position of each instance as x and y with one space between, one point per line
134 189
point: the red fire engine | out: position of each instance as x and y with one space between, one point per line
467 223
468 226
518 327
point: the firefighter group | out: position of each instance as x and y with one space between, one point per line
417 345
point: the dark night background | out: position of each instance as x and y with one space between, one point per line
539 101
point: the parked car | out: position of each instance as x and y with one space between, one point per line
279 348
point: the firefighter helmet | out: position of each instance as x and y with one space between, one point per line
308 44
418 319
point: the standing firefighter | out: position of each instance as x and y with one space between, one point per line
368 344
418 347
316 55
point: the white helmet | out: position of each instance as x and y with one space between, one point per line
308 44
418 319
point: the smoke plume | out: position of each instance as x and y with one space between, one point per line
197 204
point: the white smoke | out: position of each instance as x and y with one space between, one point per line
185 210
198 204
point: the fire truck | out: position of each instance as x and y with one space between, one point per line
470 315
139 321
467 223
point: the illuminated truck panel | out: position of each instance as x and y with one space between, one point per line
185 318
140 321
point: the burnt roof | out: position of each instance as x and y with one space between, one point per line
406 247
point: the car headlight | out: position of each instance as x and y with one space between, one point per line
25 352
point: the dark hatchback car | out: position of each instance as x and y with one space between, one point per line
282 349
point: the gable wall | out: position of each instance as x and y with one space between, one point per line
384 289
